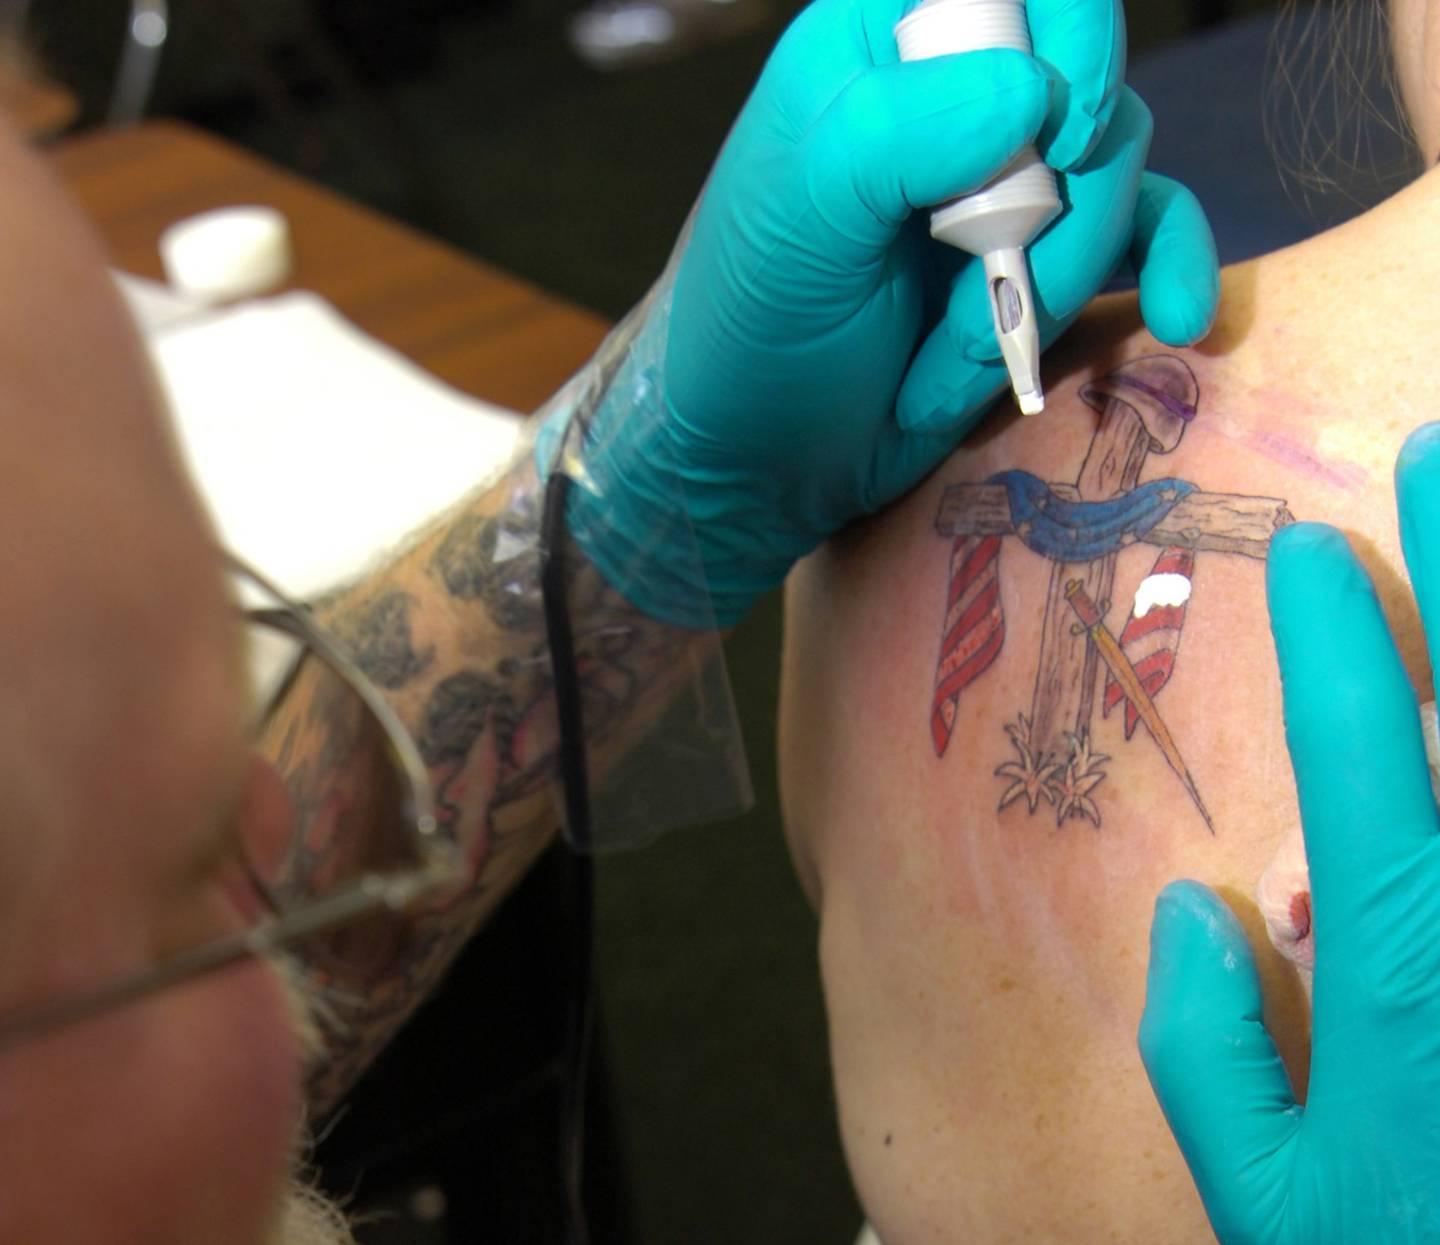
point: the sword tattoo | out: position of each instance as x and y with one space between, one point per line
1125 675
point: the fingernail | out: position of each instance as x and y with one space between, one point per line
913 415
1307 562
1417 494
1071 148
983 349
1310 568
1308 539
1418 447
1197 907
1179 899
1068 133
932 421
1185 318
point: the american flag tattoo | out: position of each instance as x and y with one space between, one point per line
974 628
1151 638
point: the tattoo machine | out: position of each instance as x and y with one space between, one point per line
1001 218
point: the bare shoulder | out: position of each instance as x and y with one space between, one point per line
1015 705
1083 545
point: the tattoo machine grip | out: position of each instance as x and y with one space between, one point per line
1004 215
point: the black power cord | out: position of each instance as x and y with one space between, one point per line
575 781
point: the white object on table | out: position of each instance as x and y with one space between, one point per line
227 253
317 447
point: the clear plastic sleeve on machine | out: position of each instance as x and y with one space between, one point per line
662 747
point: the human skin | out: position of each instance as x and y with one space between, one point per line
451 630
1415 43
121 749
129 778
984 967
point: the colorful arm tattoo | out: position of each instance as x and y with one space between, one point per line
454 633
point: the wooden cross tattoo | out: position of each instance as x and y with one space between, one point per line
1082 528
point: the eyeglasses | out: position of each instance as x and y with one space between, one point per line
339 882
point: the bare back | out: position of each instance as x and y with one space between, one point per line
1040 687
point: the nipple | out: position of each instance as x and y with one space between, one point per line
1283 893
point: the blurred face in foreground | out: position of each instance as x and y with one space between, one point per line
123 766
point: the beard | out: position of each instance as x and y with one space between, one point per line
305 1215
308 1217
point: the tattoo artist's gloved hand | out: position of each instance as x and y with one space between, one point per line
823 352
1361 1160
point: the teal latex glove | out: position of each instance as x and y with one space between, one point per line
821 352
1360 1162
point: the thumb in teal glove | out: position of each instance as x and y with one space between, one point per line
787 396
1360 1162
